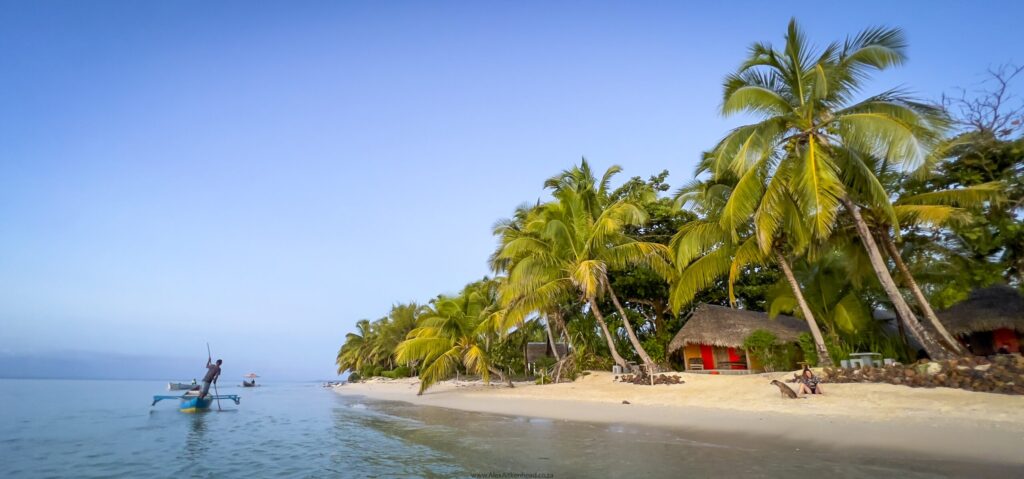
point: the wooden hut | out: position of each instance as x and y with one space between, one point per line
712 339
988 319
538 350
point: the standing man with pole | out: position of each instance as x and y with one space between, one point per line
212 373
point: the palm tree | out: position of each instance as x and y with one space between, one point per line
516 308
812 139
566 250
401 320
715 246
933 209
354 353
453 332
596 198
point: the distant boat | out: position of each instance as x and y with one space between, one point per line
180 386
251 383
190 401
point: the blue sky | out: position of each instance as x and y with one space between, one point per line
261 175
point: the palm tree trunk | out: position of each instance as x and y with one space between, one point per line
824 360
629 328
607 334
551 338
501 376
659 316
933 348
560 327
926 307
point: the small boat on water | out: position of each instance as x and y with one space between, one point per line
251 383
190 401
181 386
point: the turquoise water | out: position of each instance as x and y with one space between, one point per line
58 428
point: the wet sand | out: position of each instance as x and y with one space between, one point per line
941 422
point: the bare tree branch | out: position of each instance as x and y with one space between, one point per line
992 107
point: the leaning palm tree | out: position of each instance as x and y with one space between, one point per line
595 196
812 138
934 209
453 333
567 251
708 249
515 307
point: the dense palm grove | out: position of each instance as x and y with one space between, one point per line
831 205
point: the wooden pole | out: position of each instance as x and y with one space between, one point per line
216 393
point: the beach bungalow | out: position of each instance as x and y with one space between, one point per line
712 339
539 350
988 319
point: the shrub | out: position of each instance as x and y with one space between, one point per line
366 371
806 342
762 345
353 378
655 347
399 372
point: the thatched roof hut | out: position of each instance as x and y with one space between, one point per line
535 351
728 327
986 309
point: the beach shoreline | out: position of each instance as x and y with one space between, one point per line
944 423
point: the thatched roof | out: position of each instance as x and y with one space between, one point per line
986 309
728 327
535 351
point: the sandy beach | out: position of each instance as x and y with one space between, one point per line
941 422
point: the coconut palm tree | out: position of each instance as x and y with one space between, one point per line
454 332
355 352
713 247
566 251
934 209
516 307
596 198
812 139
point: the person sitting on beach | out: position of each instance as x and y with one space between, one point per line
212 373
809 383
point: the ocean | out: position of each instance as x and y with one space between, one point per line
84 429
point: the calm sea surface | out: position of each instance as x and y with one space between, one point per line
59 428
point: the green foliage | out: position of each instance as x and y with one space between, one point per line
453 332
507 353
768 192
774 357
397 373
760 344
810 353
656 347
543 370
354 377
838 349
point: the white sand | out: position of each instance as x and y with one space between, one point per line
947 423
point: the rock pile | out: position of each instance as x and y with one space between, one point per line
645 380
997 374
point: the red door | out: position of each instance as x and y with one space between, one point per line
1005 336
734 357
707 354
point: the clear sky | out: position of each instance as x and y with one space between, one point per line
260 175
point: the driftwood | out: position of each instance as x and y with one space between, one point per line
1002 374
645 379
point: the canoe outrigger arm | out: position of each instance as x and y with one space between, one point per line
233 397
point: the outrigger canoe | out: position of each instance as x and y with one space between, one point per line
190 401
180 386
